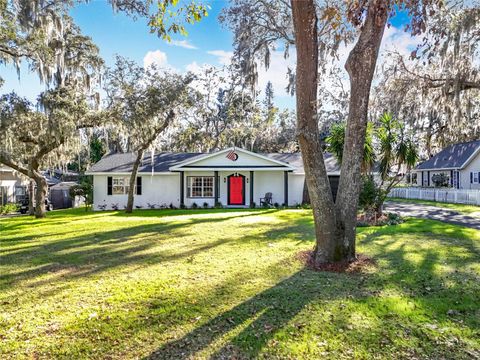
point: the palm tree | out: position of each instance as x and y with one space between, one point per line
336 139
394 150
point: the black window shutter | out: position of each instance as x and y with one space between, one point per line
471 177
109 185
139 185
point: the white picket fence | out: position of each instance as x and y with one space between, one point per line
458 196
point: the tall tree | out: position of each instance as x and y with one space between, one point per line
144 102
435 91
394 150
31 139
335 223
34 30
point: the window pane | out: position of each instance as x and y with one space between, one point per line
117 190
208 186
200 186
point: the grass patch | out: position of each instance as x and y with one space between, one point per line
209 283
461 208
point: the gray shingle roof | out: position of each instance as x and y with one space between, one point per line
452 157
295 159
123 162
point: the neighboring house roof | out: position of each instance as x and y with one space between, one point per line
455 156
51 180
64 185
123 162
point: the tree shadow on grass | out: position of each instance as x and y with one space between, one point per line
244 330
255 321
96 252
445 233
66 217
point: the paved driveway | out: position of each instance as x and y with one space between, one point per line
434 213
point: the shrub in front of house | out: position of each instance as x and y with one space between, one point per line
205 205
441 180
393 219
253 205
194 205
9 208
218 205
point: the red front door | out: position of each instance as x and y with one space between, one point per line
236 191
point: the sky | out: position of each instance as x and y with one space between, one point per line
208 42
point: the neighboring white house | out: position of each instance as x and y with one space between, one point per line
13 186
460 163
233 177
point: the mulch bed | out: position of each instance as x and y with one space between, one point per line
358 265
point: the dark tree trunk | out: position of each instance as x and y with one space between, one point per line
306 42
305 196
144 146
40 194
335 224
133 180
31 193
360 66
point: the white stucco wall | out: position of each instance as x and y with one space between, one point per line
9 180
473 166
271 181
9 187
295 188
165 189
158 189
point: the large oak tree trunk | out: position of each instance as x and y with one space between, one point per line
306 42
335 224
133 180
40 194
360 66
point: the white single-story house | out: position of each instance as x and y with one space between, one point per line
232 177
459 163
13 185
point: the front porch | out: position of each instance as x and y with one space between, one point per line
233 188
233 178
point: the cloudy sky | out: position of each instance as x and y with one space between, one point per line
207 43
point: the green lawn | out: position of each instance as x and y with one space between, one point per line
227 284
461 208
